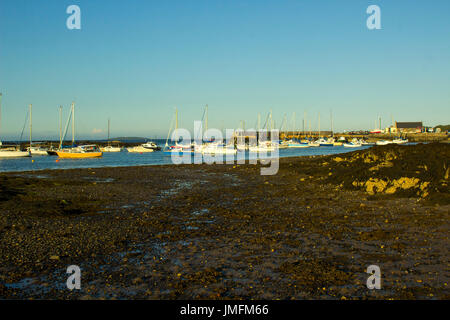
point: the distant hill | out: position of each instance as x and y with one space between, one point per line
443 127
130 139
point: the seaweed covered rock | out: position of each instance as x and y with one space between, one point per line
420 171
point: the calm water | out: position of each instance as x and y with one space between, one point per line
120 159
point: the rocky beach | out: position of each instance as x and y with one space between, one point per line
226 232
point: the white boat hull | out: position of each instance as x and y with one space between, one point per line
111 149
39 152
218 151
383 142
261 150
13 154
139 149
351 145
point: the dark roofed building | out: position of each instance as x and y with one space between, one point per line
409 126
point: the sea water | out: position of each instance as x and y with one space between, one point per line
125 159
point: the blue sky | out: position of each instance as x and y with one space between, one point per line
135 61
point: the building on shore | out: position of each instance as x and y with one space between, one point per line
406 127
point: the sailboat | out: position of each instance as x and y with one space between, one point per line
78 152
294 143
35 150
52 150
109 147
10 151
143 148
355 143
177 148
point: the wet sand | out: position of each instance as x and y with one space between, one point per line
226 232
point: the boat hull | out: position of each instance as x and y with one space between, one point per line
14 154
350 145
79 155
139 150
298 145
39 153
112 149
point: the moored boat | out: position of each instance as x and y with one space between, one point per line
383 142
139 149
111 149
38 151
326 142
80 152
12 151
297 144
400 141
352 145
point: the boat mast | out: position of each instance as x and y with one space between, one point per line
31 123
206 119
304 122
331 117
271 120
60 126
73 124
0 113
319 125
293 127
108 131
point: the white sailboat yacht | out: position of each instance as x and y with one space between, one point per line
10 151
109 147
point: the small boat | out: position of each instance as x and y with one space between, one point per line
400 141
355 143
296 144
151 145
52 152
314 144
177 149
352 145
383 142
80 152
213 148
111 149
12 151
340 142
265 146
326 142
139 149
38 151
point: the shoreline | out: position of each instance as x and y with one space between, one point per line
226 232
172 164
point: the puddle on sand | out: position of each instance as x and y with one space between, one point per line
100 180
178 186
30 175
22 284
200 212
